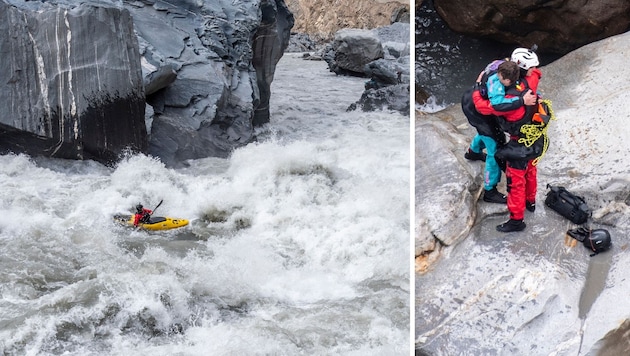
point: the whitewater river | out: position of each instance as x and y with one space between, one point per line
298 244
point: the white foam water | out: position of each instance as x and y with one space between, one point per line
298 244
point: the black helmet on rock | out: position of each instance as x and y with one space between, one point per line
598 241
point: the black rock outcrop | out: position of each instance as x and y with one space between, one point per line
224 57
72 84
382 55
179 80
555 26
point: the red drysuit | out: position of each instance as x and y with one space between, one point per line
138 216
521 175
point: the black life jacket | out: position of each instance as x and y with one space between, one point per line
529 140
514 127
486 125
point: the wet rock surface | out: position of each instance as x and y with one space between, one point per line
557 27
177 80
383 56
68 92
352 50
485 292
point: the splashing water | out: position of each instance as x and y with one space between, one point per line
298 244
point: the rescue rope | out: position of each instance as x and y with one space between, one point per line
533 132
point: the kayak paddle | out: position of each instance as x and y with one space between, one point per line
160 203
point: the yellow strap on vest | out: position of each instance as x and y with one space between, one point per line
533 132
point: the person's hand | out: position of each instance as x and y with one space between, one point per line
529 98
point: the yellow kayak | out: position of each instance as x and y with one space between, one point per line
155 223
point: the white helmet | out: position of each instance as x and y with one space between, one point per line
525 58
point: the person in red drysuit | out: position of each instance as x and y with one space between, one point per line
142 215
521 174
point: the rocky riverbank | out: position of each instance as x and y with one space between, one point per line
487 292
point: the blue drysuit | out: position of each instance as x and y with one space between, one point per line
486 138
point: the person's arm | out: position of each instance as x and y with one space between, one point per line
484 107
146 215
533 78
496 95
507 105
136 219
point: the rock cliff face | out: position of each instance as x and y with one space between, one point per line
271 39
556 26
72 84
81 71
321 19
223 57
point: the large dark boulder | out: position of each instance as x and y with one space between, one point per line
221 58
388 86
178 80
351 50
557 26
71 81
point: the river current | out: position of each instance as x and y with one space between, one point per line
298 244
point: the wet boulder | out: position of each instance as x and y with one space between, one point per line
394 39
73 85
557 27
388 86
212 64
178 80
446 211
351 50
391 97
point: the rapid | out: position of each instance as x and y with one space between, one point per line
298 243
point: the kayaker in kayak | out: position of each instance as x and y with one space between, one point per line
142 215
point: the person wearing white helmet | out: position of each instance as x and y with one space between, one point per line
525 58
520 173
499 75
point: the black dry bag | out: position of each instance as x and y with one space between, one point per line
567 204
